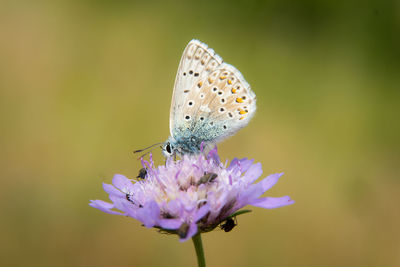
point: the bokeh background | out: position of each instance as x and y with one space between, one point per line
84 83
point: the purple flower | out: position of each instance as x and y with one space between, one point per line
196 193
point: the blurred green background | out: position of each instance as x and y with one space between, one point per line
84 83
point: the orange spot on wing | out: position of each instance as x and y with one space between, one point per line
222 77
229 82
210 80
239 100
233 91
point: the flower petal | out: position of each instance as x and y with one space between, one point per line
174 208
270 181
249 195
245 164
213 154
201 212
118 202
110 189
233 164
104 206
272 202
170 224
149 214
122 183
191 232
253 172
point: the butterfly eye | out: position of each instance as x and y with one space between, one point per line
168 148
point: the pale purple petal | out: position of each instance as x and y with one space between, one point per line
201 212
149 214
213 154
270 181
131 211
142 216
272 202
245 164
110 189
174 207
252 192
171 224
191 232
104 206
253 172
233 164
118 202
146 164
121 182
100 204
256 190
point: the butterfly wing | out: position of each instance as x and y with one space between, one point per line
196 63
212 105
219 105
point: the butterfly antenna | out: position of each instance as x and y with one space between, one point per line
141 150
141 156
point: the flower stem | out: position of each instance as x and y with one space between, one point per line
198 245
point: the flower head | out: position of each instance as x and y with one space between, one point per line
194 194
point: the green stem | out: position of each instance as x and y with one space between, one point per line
198 245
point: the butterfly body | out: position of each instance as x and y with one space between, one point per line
211 101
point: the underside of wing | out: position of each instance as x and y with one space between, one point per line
218 105
197 62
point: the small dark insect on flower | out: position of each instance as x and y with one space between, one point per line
228 225
207 177
183 230
128 197
142 173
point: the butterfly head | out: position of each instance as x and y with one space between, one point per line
169 148
181 146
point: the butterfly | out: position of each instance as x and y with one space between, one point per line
210 102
